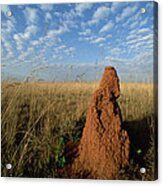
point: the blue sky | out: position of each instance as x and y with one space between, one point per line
67 42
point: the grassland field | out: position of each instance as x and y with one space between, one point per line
39 119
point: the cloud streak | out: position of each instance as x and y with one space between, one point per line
101 13
107 27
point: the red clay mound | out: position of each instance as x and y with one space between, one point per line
104 146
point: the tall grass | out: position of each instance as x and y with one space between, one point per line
39 118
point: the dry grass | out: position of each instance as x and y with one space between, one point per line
39 118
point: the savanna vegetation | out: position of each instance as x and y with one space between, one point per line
38 120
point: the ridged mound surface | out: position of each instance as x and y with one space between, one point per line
104 146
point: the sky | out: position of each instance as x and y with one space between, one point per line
74 42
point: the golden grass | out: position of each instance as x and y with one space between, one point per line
36 115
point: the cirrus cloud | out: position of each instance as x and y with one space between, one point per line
99 14
126 12
107 27
31 15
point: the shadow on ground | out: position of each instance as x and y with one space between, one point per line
143 139
142 134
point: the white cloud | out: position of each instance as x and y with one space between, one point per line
101 45
57 14
89 38
70 51
142 44
67 19
68 15
131 36
116 51
108 36
31 15
7 30
57 57
35 42
135 21
92 38
6 45
134 24
136 35
143 30
81 7
47 7
138 42
144 57
114 6
51 38
19 41
99 14
62 47
48 17
29 31
135 17
56 32
98 40
114 60
134 31
85 33
63 50
8 27
26 54
146 37
126 12
143 22
20 38
107 27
